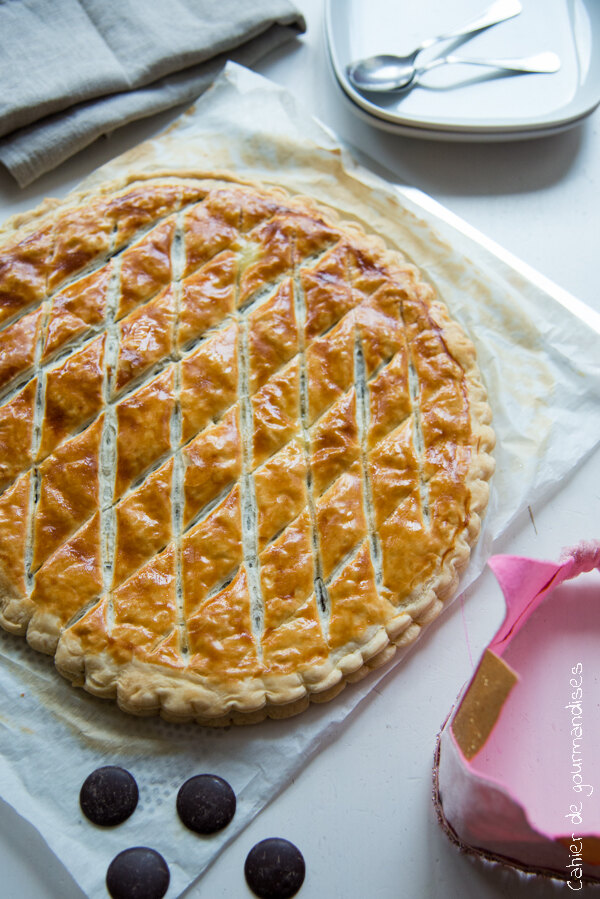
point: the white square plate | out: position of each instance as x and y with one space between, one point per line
458 102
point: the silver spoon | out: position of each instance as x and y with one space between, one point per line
541 63
389 73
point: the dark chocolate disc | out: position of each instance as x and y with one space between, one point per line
138 873
274 869
108 796
206 803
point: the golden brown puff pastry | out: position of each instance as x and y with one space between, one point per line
244 450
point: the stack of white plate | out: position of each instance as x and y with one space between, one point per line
459 102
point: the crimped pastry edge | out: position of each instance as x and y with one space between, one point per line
182 698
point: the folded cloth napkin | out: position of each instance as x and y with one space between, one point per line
72 70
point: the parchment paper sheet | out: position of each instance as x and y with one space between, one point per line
540 365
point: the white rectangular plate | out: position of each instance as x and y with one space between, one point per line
467 102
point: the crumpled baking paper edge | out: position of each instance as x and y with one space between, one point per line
246 124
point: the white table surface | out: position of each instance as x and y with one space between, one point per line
361 811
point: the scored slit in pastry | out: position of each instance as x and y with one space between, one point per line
244 450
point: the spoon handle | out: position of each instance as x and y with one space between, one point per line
540 63
497 12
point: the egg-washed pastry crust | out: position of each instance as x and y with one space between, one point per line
244 450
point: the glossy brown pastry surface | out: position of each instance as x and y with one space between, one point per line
244 450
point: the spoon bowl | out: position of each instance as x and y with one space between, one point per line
383 73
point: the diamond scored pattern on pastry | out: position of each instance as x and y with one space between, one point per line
234 448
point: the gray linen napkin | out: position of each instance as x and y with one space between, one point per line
71 70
